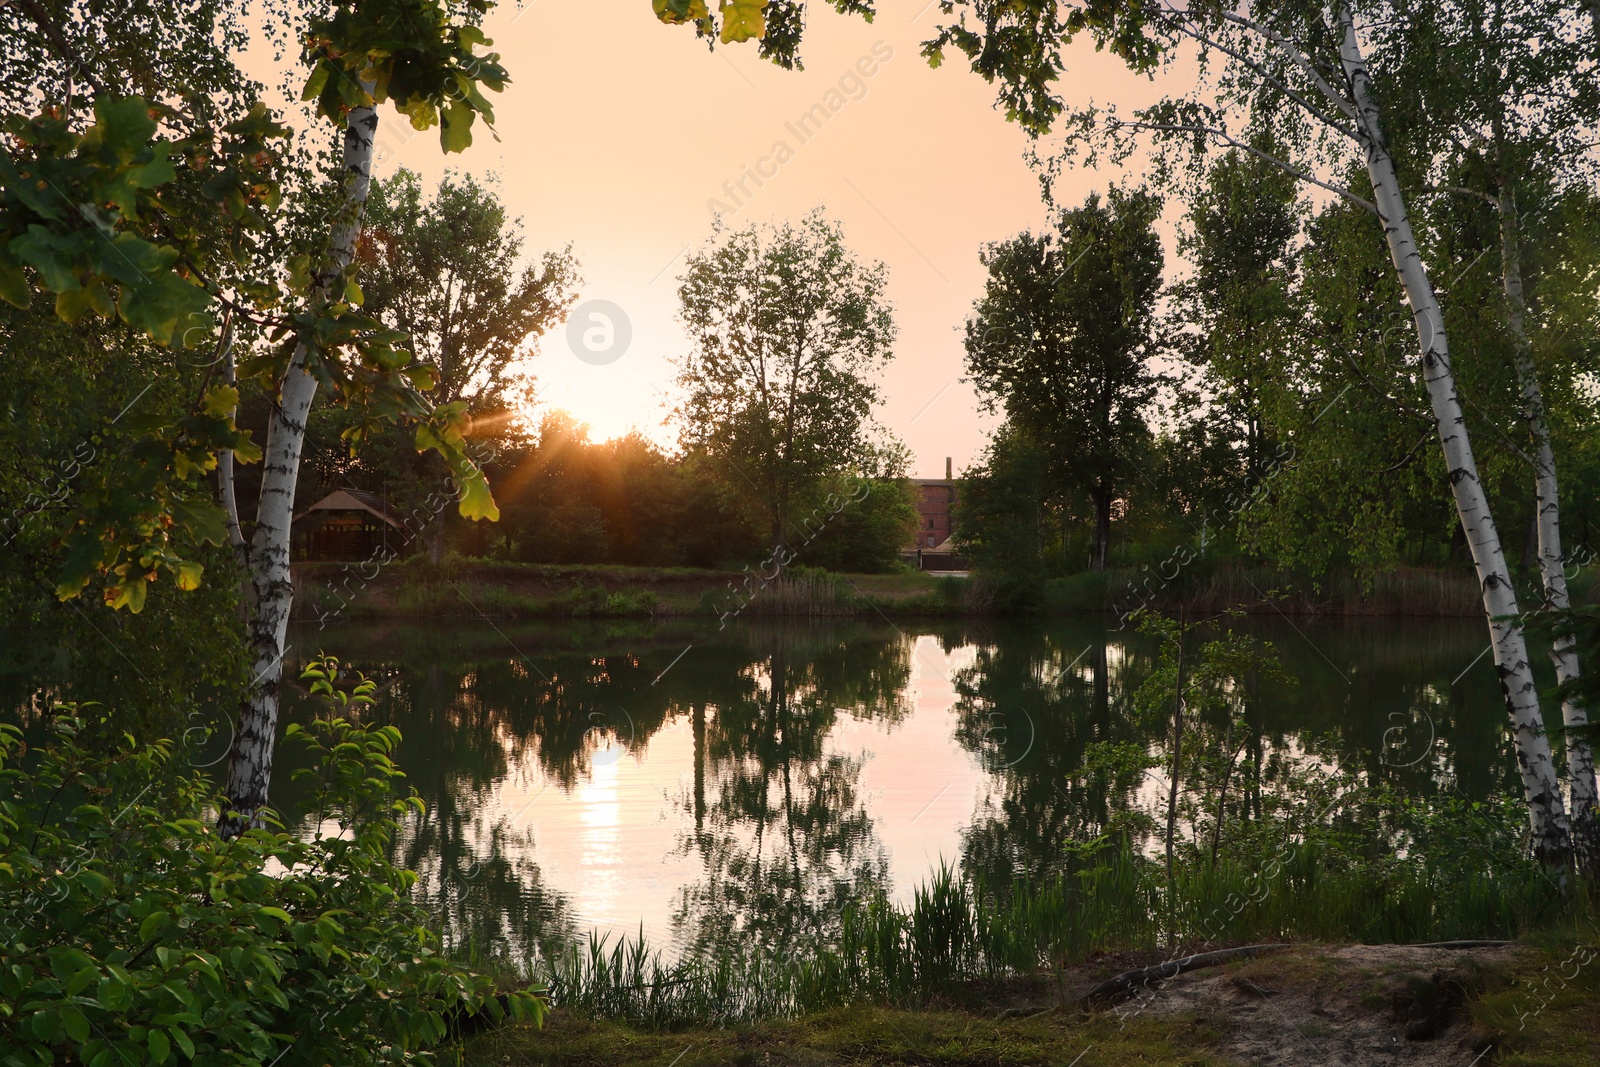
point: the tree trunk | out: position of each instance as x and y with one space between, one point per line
1172 786
1547 521
1540 785
227 491
1102 527
250 759
779 542
699 728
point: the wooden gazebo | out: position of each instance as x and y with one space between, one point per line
347 524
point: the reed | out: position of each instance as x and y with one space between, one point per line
960 929
1208 587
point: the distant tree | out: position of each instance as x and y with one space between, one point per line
1063 340
786 329
1240 233
444 269
567 499
865 527
1003 513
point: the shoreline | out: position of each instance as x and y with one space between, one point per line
465 589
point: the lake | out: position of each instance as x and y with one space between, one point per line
699 784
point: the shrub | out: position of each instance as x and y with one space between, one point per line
131 933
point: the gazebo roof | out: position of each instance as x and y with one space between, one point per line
354 500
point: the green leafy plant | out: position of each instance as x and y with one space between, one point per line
132 933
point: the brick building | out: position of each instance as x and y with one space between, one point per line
935 504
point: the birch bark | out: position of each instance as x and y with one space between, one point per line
1552 562
1540 785
250 758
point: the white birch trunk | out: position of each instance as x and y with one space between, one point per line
1552 562
250 760
1540 784
227 487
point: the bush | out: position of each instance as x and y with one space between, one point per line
132 933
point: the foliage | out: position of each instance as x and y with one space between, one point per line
1297 879
133 934
443 270
786 328
1580 625
1064 337
1241 229
1003 513
412 52
120 218
1018 44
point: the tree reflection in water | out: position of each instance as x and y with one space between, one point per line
769 824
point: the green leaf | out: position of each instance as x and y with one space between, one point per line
317 82
77 1026
182 1040
73 304
51 255
421 112
128 593
13 283
456 133
152 925
160 1047
122 127
202 520
157 172
85 977
220 400
477 501
161 303
742 20
132 260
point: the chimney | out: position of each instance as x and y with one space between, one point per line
947 476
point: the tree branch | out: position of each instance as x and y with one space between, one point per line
1233 142
75 64
1261 72
1337 99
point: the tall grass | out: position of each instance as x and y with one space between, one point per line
1208 587
805 592
963 929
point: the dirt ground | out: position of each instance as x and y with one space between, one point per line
1356 1005
1361 1005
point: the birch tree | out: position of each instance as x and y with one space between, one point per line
1510 92
1301 61
93 212
360 56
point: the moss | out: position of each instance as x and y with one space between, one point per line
867 1035
1544 1012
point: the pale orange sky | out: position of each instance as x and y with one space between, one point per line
616 131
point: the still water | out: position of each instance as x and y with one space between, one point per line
697 784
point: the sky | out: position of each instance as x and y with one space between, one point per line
624 137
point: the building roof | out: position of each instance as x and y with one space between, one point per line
354 500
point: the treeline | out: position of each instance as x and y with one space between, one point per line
1267 408
566 499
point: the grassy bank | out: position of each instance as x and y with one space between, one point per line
1205 589
980 971
1313 1004
472 589
958 933
477 588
